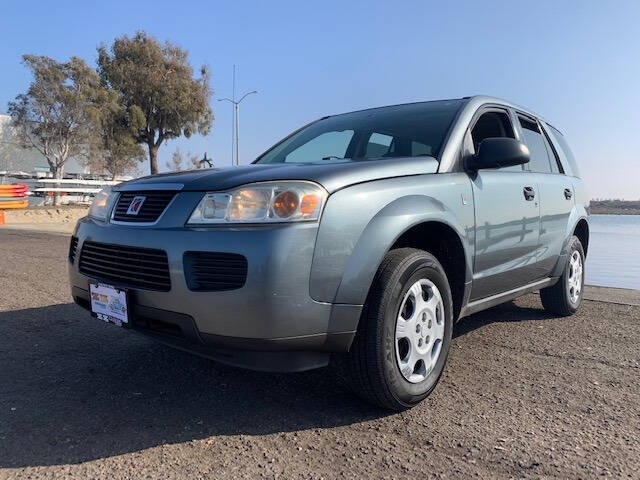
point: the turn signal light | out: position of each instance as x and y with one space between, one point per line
309 203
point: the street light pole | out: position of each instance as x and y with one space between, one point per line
236 105
237 134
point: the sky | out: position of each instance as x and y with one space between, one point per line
575 63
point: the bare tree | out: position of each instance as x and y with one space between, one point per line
55 115
194 161
176 164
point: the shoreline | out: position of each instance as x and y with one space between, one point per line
626 214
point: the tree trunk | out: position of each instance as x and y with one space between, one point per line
57 174
153 158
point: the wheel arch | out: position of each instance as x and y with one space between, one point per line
418 221
581 230
442 241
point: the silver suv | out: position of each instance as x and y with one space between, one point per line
363 236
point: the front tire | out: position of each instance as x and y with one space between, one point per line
565 296
403 340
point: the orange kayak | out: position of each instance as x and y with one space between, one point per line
5 194
14 204
13 188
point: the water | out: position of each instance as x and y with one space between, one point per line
613 259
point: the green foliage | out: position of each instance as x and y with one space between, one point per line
114 150
156 85
57 113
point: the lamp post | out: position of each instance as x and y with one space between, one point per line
236 104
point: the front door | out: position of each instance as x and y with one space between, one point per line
507 216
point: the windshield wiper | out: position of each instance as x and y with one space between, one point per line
332 157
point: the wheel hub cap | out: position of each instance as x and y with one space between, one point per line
419 331
575 276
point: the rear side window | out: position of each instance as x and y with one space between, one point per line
564 152
533 137
553 158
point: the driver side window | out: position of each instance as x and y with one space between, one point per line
493 124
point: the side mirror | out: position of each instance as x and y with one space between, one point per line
498 152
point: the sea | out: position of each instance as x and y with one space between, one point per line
613 258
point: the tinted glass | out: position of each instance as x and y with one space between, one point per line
379 145
329 144
565 153
539 161
412 130
553 159
493 125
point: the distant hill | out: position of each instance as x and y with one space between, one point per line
615 207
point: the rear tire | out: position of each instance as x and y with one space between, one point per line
403 339
565 296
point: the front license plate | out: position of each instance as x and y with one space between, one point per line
109 303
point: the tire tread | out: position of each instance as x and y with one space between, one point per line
554 298
362 368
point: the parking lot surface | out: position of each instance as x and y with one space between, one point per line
524 394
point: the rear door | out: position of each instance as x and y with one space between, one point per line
556 192
506 212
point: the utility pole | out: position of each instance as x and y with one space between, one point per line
235 124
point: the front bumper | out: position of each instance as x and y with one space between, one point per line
271 317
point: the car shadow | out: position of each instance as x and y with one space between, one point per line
503 313
73 389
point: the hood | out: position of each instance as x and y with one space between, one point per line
332 176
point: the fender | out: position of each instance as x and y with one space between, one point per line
574 218
347 256
578 213
380 235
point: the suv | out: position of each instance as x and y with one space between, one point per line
363 236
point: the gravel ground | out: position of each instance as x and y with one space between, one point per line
523 395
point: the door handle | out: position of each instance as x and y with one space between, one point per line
568 193
529 193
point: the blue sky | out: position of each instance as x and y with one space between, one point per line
576 63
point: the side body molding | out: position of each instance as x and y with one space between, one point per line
362 222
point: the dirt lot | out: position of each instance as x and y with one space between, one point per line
64 214
523 395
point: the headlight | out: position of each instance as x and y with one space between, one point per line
102 203
269 202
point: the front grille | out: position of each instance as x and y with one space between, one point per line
155 202
72 248
214 271
143 268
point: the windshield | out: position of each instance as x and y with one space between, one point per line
411 130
